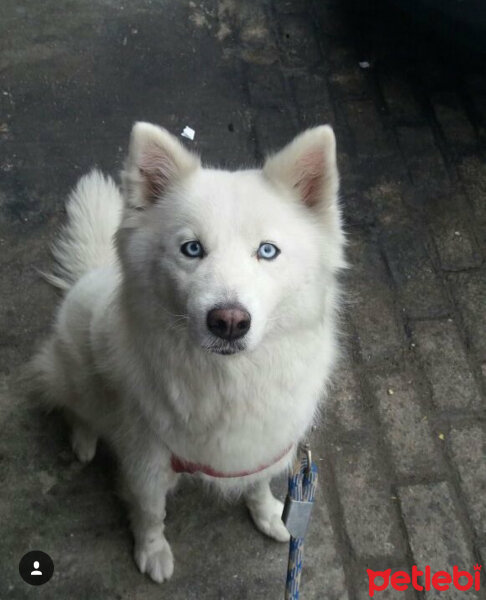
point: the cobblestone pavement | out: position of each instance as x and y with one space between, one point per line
401 449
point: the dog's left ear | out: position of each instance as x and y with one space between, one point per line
307 166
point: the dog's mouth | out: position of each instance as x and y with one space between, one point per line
225 348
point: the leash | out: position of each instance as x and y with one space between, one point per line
296 516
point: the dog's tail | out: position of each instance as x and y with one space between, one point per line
94 212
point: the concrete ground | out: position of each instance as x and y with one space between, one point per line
402 447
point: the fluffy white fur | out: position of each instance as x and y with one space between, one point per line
131 358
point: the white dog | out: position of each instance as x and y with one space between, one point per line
198 330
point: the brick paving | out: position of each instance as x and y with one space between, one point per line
402 445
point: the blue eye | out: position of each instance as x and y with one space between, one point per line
192 249
268 251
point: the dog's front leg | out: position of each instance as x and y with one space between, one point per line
266 511
147 477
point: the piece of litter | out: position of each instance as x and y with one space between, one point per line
458 233
390 392
441 436
364 64
188 133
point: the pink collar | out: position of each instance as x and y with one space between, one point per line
179 465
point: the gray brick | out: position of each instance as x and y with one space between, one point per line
422 294
437 537
225 138
386 196
479 104
372 309
345 137
245 31
266 85
323 563
333 22
6 397
291 6
298 41
424 161
472 171
370 138
347 79
400 99
357 209
346 407
363 490
444 360
469 291
351 180
312 96
450 221
468 448
475 83
274 128
406 427
421 291
389 169
23 293
323 568
453 120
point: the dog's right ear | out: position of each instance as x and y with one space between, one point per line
156 160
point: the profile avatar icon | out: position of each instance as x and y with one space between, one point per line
36 567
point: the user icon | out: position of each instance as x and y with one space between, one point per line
43 567
36 568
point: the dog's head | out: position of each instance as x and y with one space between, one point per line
228 258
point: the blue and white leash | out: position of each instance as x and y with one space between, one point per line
296 516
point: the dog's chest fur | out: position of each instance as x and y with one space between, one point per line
232 413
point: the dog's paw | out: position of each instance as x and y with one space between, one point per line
156 562
83 443
268 519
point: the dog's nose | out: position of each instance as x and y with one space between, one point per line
229 323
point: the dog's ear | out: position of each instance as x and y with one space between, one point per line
308 167
156 160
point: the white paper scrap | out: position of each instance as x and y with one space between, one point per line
188 133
